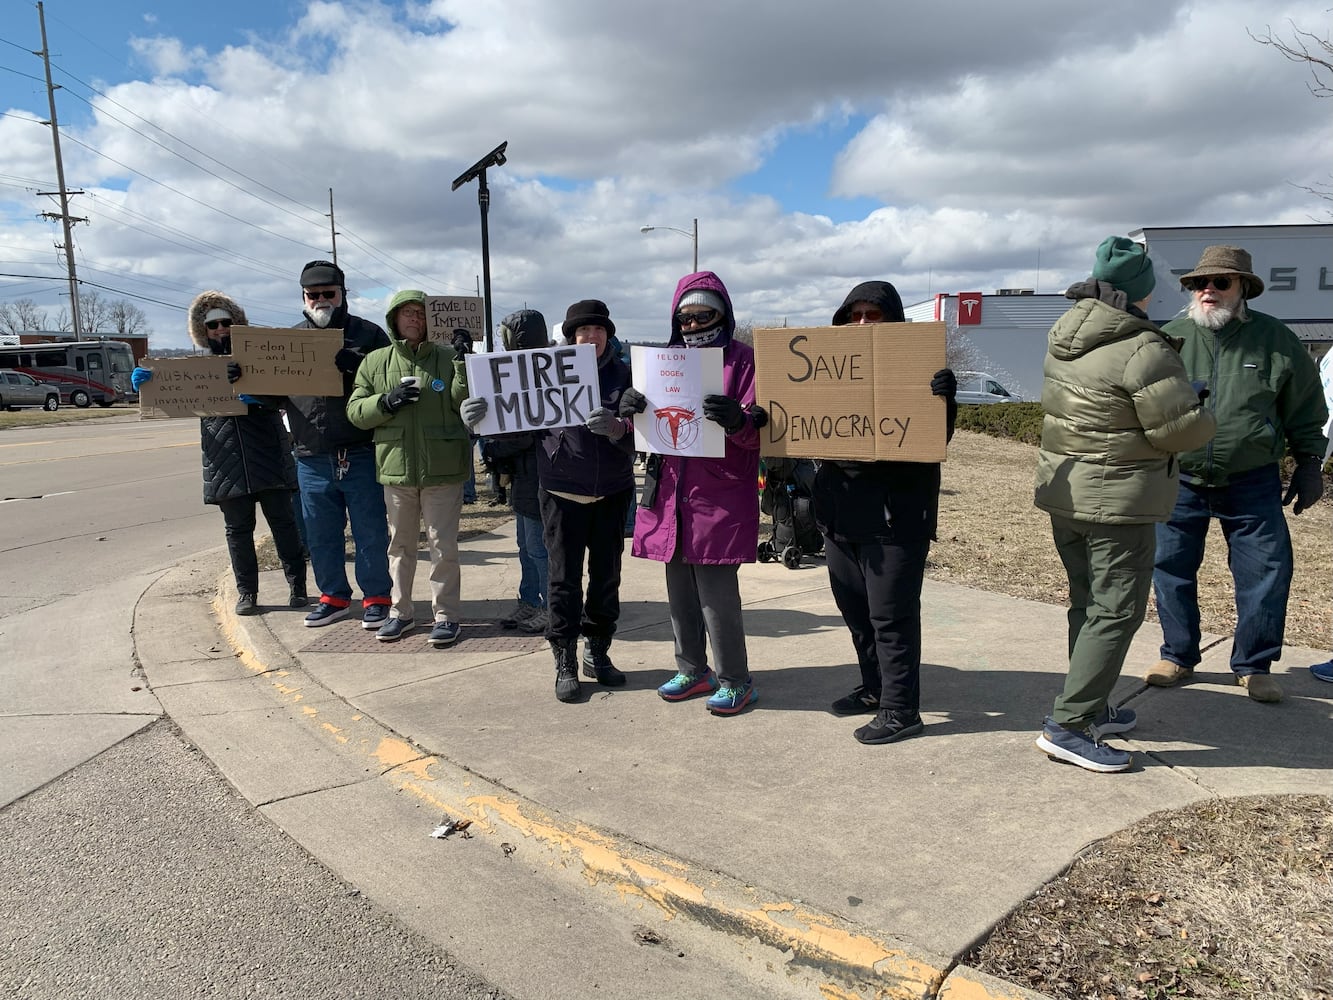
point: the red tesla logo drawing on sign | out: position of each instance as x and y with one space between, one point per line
969 308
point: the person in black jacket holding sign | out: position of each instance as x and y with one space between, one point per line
878 520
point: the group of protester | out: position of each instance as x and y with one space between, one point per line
1146 438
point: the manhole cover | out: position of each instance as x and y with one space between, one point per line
476 636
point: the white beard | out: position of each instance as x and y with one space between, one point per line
321 315
1216 317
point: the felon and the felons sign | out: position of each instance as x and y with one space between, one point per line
853 392
286 362
447 313
188 387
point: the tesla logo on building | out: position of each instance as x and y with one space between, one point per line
969 308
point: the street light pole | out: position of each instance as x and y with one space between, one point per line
477 172
690 234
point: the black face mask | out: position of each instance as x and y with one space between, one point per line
222 346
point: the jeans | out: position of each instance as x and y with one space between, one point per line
1249 511
1109 567
532 561
238 515
470 487
328 503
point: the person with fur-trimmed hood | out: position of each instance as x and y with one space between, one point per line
408 394
247 462
700 516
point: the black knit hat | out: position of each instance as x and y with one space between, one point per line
588 312
322 272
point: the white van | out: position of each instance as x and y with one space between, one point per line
980 388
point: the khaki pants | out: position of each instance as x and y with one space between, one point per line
439 507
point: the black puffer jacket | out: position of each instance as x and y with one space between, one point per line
878 501
247 453
319 423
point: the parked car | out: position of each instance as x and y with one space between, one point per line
978 387
18 389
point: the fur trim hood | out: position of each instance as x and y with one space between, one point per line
199 308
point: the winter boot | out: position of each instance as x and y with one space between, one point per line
566 653
597 664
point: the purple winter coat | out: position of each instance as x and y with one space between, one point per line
713 501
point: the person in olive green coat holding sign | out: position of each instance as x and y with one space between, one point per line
409 393
1119 406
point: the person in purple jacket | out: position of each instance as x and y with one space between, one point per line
700 516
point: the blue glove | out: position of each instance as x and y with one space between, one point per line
139 376
249 400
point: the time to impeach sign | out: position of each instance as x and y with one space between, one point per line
852 392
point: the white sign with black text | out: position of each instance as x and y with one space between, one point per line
535 390
675 381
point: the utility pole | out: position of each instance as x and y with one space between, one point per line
66 219
333 229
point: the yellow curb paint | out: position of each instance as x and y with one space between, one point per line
831 992
969 989
309 711
337 733
395 752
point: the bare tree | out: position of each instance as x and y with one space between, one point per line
127 318
21 315
1317 55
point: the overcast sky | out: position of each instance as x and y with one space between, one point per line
953 146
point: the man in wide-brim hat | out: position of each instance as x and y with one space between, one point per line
1264 390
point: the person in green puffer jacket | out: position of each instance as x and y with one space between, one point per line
1264 390
1118 408
409 394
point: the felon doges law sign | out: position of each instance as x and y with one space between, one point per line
853 392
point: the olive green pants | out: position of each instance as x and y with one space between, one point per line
1110 574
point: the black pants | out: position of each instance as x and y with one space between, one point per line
238 514
570 529
877 587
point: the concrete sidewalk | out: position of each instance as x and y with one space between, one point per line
770 845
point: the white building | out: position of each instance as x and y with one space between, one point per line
1295 262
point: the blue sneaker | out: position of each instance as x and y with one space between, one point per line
1113 722
1081 749
326 614
730 700
684 686
394 629
445 633
1323 671
374 616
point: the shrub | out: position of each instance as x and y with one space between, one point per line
1020 421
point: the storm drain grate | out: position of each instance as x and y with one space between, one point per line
476 636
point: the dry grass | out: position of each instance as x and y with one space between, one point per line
993 538
64 415
1223 899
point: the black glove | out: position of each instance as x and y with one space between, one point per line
632 401
725 411
758 416
348 360
461 342
398 397
1307 483
602 421
944 383
233 371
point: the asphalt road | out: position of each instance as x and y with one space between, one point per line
132 868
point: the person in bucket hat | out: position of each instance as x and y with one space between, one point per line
1264 391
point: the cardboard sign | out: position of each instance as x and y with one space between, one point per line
675 381
188 387
856 392
535 390
447 313
287 362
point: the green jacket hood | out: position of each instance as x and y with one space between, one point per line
397 302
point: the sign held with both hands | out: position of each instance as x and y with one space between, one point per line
675 381
535 390
286 362
188 387
851 392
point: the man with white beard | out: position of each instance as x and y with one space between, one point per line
335 464
1264 390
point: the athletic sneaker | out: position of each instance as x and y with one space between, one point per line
1081 749
326 614
535 623
521 613
374 616
394 629
1113 722
729 700
684 686
445 633
889 726
858 702
1323 671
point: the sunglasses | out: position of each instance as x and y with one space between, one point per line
213 324
705 317
328 293
869 315
1221 283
